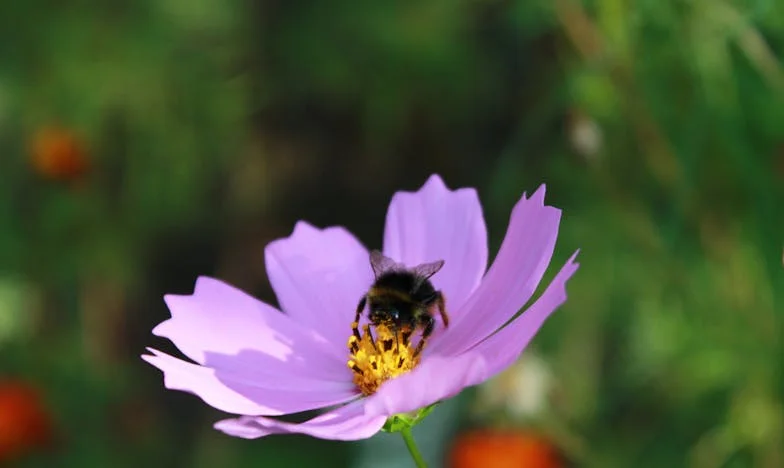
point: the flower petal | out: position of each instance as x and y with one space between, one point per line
436 223
233 393
504 347
435 379
319 276
511 280
345 423
439 377
224 328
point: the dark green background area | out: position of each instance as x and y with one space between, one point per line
213 126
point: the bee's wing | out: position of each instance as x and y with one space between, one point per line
381 263
424 271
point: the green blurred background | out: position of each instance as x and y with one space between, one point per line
144 143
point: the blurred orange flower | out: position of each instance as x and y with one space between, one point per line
24 423
57 153
503 449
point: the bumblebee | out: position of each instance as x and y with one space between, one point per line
403 299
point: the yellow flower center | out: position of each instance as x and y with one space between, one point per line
375 360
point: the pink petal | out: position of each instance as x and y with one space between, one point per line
224 328
511 280
234 393
319 277
439 377
504 347
345 423
435 379
436 223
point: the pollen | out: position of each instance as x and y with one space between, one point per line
375 360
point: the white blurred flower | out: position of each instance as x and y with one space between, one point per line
522 390
585 135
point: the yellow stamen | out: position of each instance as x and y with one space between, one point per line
375 361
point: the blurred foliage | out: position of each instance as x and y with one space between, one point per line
203 129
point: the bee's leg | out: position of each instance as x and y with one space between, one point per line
355 324
441 302
406 336
428 323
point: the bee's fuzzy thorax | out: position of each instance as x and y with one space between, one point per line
378 292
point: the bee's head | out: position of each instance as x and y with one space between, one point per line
387 314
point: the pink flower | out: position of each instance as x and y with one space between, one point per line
253 361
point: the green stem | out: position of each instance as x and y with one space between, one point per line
412 448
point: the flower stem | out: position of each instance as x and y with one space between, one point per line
412 448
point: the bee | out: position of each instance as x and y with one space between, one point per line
403 299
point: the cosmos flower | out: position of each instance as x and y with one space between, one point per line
253 361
